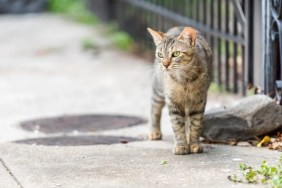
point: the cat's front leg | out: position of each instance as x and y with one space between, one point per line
196 116
177 115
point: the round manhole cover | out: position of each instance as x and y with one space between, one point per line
77 140
81 123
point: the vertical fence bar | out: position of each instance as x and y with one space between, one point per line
250 62
219 79
191 8
185 8
197 10
142 18
267 47
204 17
212 17
159 17
235 64
227 46
248 56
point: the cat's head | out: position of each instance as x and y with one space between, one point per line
176 51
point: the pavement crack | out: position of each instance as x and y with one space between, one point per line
10 172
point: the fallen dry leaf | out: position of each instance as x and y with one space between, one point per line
276 143
265 139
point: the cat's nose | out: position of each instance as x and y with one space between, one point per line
166 63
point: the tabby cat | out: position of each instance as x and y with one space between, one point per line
183 67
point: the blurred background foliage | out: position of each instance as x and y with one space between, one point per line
73 8
77 10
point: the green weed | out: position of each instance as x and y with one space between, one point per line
265 174
88 44
122 40
74 9
214 87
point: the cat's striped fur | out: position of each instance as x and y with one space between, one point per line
181 81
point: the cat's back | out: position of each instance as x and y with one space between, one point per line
174 31
204 53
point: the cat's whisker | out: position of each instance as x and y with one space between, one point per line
175 66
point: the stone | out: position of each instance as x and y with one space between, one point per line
251 117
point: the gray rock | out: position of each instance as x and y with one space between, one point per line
251 117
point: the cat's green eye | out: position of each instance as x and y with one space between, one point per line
160 55
175 54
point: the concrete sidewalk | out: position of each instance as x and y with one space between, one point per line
44 72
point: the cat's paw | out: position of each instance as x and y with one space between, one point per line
181 150
155 135
196 148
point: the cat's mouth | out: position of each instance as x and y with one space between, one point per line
167 69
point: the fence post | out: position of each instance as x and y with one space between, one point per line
104 9
248 51
273 48
266 45
258 44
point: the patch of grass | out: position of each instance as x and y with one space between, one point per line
215 87
111 28
88 44
265 174
122 40
250 92
73 8
76 10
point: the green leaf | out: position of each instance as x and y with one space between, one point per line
244 167
273 170
163 162
251 176
265 174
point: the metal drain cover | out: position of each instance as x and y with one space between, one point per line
77 140
81 123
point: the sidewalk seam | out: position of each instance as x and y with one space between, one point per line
11 174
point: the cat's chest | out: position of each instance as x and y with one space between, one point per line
182 93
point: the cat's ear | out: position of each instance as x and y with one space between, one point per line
157 36
188 34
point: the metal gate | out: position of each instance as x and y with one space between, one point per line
228 25
273 60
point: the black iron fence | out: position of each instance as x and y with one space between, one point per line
273 64
22 6
232 27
